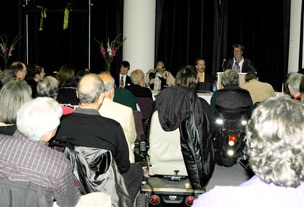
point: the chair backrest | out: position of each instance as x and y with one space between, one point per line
138 123
164 150
21 193
146 106
96 171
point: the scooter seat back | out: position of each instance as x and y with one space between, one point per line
164 150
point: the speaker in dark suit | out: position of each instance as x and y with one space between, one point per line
122 79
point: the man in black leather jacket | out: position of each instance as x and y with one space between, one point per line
231 98
180 107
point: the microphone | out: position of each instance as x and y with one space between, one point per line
223 64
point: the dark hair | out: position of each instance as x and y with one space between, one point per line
187 76
238 46
251 75
125 64
32 70
198 59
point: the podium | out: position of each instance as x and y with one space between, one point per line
219 79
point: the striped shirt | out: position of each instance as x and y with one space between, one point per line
24 160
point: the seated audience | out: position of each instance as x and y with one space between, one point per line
12 96
48 87
231 98
294 81
27 158
259 91
34 74
67 86
275 146
86 127
122 79
159 78
118 112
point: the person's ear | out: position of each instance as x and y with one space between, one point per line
48 136
101 97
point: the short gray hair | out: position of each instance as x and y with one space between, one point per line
230 77
48 87
90 92
137 76
12 95
37 117
275 141
294 81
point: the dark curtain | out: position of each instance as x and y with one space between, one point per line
54 46
189 29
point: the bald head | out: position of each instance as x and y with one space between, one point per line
109 84
90 87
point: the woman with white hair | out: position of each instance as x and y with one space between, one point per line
275 146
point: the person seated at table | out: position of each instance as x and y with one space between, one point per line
159 78
12 96
231 98
138 88
275 145
203 76
27 158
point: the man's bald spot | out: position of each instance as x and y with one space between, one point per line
105 77
88 83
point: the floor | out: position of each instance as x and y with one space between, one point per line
233 175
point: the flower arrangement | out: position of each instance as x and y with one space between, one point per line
6 50
109 50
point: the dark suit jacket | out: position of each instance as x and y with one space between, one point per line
128 81
247 65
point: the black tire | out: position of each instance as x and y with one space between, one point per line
142 200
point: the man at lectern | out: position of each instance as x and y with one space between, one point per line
238 62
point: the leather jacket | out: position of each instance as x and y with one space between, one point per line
180 107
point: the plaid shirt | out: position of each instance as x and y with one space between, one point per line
24 160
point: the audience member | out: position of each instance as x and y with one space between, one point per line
118 112
48 87
259 91
231 98
122 79
159 77
34 74
125 97
27 158
19 69
94 130
138 88
294 81
203 76
180 107
275 146
12 96
6 76
239 63
67 86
